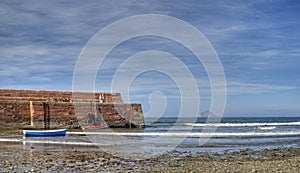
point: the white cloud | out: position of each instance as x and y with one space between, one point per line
239 88
41 41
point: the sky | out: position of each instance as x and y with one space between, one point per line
257 42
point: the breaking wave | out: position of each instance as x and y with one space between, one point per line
242 124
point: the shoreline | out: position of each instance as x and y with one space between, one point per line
27 156
15 159
16 138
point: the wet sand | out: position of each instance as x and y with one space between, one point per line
16 158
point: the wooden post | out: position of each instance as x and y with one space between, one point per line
130 118
31 113
46 107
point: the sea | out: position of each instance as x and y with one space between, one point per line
232 132
184 135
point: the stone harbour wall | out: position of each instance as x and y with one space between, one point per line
122 115
17 114
59 96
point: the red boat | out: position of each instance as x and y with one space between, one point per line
94 127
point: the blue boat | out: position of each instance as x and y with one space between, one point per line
60 132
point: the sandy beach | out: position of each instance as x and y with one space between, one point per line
14 158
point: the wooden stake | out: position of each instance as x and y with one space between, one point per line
31 113
130 118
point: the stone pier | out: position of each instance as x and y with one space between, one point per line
21 109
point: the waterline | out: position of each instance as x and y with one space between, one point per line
169 134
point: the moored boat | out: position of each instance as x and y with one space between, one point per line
59 132
94 127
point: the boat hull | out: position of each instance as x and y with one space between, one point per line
94 127
61 132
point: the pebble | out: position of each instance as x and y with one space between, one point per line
16 160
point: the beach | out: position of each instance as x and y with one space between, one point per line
150 86
15 158
238 145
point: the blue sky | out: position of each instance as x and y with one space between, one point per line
256 41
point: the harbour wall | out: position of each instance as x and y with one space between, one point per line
23 109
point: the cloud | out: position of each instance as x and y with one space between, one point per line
238 88
257 42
